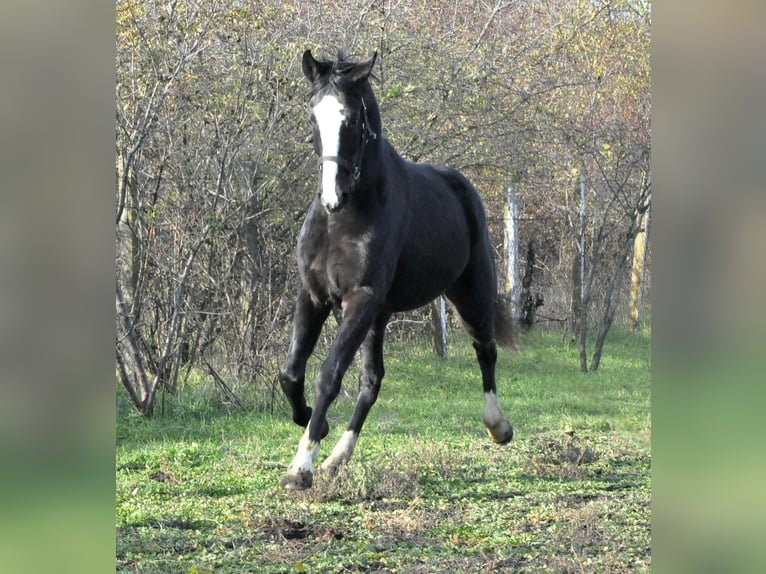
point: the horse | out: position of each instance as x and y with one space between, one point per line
382 235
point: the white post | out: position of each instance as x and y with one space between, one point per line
443 323
642 282
582 236
512 282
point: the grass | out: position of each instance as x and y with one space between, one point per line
426 491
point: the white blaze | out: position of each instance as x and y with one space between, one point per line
329 117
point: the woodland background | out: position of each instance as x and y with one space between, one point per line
547 99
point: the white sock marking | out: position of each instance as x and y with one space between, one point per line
492 412
343 450
304 458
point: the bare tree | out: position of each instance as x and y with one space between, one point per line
215 168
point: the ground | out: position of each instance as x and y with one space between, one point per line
426 491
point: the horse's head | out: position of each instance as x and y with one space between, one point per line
340 111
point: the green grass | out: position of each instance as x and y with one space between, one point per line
426 491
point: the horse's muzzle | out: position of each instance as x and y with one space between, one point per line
335 208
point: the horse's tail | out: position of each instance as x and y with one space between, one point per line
504 324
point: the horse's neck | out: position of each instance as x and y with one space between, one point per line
389 158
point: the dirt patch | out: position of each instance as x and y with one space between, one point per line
574 500
355 484
291 530
566 456
388 505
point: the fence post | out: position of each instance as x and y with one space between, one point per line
511 240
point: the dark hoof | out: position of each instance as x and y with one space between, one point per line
301 481
501 433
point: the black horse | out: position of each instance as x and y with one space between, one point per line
382 235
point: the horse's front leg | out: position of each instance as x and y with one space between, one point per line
359 309
370 379
307 325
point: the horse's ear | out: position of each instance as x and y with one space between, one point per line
363 69
313 68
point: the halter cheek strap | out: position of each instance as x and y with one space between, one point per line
367 134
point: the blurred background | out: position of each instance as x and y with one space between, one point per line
208 100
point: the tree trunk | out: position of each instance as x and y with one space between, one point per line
584 295
147 390
576 292
583 336
638 271
529 303
609 305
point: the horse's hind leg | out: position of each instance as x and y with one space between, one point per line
498 427
474 299
369 387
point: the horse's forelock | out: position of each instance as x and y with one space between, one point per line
339 71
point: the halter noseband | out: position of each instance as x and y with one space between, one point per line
367 134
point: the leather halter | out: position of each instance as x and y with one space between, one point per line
367 134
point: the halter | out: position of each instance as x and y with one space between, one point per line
367 134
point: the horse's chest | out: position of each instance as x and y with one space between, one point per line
332 267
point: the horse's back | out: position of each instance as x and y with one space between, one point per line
467 196
445 221
446 199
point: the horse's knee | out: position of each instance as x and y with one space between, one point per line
326 390
289 384
369 385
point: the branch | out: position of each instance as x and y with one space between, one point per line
153 104
130 336
126 382
177 304
224 387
